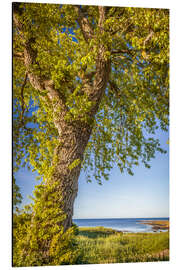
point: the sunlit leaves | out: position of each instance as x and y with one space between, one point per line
137 42
75 163
17 197
40 233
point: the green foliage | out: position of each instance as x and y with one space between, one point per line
135 103
38 234
136 99
17 197
75 163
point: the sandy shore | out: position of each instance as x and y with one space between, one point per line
157 224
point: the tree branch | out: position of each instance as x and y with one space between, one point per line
19 55
37 81
121 51
101 20
114 87
149 36
84 24
103 66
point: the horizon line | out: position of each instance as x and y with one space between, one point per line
122 218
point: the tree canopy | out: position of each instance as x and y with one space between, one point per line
66 41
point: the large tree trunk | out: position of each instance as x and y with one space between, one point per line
73 141
72 145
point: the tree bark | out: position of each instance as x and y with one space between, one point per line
73 141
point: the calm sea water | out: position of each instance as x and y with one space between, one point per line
120 224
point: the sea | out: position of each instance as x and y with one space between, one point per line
120 224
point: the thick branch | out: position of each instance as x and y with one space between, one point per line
114 87
18 55
102 12
122 51
84 24
102 68
149 36
37 81
40 83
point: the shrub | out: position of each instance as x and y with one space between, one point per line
38 234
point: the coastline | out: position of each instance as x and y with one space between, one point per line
158 225
127 225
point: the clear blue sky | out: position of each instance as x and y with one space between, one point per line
146 194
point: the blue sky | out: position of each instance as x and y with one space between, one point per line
146 194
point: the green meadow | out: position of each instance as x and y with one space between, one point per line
99 245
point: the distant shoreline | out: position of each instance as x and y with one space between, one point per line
157 225
127 225
148 219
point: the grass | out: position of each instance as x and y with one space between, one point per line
99 245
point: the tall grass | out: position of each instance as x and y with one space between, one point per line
100 245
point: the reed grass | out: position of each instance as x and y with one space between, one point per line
99 245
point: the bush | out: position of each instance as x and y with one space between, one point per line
38 234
